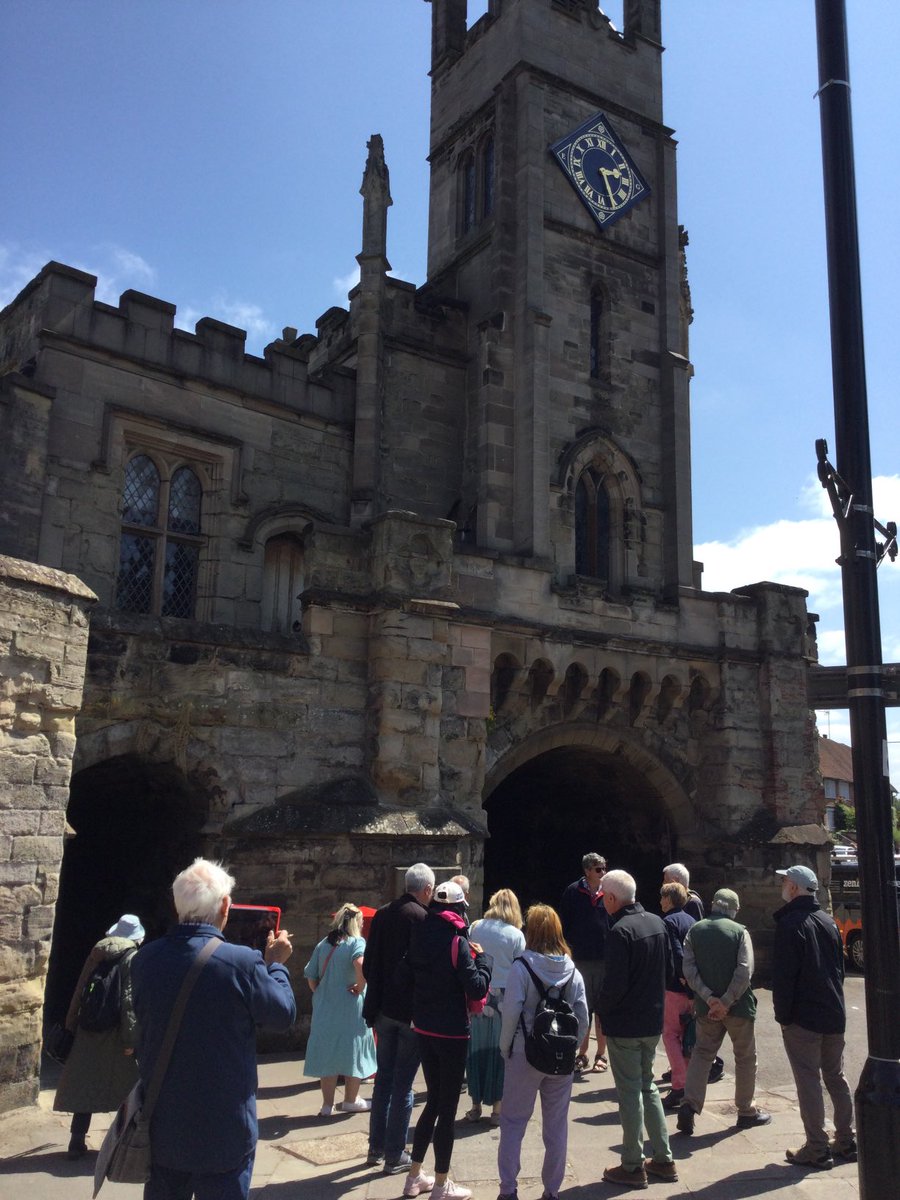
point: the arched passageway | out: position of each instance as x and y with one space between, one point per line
136 824
548 812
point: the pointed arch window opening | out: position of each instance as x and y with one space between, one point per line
283 581
159 549
593 542
487 177
476 184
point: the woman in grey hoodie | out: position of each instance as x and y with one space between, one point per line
548 956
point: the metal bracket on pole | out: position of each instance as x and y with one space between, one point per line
842 505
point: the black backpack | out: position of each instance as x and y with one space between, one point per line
101 996
552 1045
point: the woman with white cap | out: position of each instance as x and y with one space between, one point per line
100 1070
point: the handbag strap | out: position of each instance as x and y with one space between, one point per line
165 1050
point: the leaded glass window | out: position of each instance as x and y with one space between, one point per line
487 178
159 552
469 190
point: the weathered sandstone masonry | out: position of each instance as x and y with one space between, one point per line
43 643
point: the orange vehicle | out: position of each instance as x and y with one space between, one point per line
846 909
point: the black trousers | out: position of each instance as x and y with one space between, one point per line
443 1065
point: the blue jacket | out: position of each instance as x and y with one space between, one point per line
205 1118
585 921
677 922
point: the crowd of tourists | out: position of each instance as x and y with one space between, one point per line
502 1007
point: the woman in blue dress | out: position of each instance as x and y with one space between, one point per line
340 1042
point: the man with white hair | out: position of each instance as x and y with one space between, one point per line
718 964
678 873
387 1008
808 998
630 1002
203 1131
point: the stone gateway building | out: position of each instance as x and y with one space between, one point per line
419 585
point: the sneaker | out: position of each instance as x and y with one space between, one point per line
809 1156
327 1110
716 1071
845 1150
355 1105
513 1195
76 1149
451 1191
666 1170
625 1178
685 1120
374 1158
674 1098
418 1183
401 1164
750 1120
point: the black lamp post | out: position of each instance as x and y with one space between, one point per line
850 486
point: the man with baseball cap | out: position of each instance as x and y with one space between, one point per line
718 964
808 998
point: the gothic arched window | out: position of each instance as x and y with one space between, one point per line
159 551
487 177
282 584
468 192
592 526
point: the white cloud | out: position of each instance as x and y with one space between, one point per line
260 328
18 265
802 553
346 283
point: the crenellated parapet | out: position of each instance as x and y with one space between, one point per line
60 305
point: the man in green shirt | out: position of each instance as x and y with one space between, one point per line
718 964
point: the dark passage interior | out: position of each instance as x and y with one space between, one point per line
136 825
550 812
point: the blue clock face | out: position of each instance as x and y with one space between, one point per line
599 168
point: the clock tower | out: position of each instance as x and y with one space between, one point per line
553 218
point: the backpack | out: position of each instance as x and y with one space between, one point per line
553 1042
474 1007
101 996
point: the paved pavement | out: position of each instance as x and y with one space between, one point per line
302 1157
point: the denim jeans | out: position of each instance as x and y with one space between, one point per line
167 1184
397 1054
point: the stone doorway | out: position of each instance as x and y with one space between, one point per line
136 824
545 814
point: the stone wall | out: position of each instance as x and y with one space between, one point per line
43 644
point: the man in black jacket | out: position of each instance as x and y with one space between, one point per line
638 963
585 925
387 1008
808 998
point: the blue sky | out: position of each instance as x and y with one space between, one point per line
210 152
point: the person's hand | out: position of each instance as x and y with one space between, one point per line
477 947
717 1009
129 1050
278 949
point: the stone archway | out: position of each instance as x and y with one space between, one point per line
569 790
136 824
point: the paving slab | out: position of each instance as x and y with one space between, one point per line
302 1156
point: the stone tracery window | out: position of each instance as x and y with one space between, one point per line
475 184
159 550
592 525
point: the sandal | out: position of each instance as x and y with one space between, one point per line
581 1062
474 1113
600 1064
